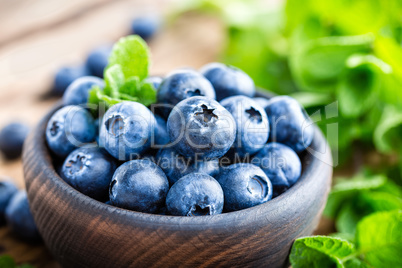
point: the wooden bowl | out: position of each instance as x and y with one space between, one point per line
82 232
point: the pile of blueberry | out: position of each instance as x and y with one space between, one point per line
207 146
14 210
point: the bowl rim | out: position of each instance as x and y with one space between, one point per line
43 159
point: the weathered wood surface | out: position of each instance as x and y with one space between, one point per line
37 37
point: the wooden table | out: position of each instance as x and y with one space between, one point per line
37 37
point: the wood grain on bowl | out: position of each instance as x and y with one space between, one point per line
82 232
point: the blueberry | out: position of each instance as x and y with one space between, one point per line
156 81
263 102
139 185
98 59
161 134
244 185
228 80
69 128
201 127
195 194
180 85
281 164
127 130
7 190
19 217
145 26
77 92
176 166
12 139
65 76
252 125
289 123
89 170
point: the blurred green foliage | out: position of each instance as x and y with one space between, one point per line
321 52
341 59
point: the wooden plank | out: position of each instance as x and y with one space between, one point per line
27 66
22 18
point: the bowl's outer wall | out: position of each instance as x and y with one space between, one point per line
82 232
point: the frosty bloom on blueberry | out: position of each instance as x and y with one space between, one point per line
126 130
176 166
180 85
77 92
69 128
244 185
199 125
228 80
89 170
289 122
139 185
281 164
252 125
196 194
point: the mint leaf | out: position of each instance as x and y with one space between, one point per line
7 262
345 236
147 94
344 189
96 96
130 87
387 135
360 84
320 251
132 54
134 90
114 79
348 217
379 238
317 64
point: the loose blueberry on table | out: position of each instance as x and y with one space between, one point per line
7 190
171 159
98 59
20 219
12 138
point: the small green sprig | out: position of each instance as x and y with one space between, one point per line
124 76
8 262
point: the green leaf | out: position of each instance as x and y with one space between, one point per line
347 218
134 90
387 135
360 84
7 262
130 87
317 64
344 189
380 201
147 94
132 54
388 50
379 238
96 96
345 236
114 79
320 251
312 99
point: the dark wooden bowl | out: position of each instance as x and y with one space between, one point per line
82 232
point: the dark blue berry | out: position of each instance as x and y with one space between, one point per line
139 185
195 194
